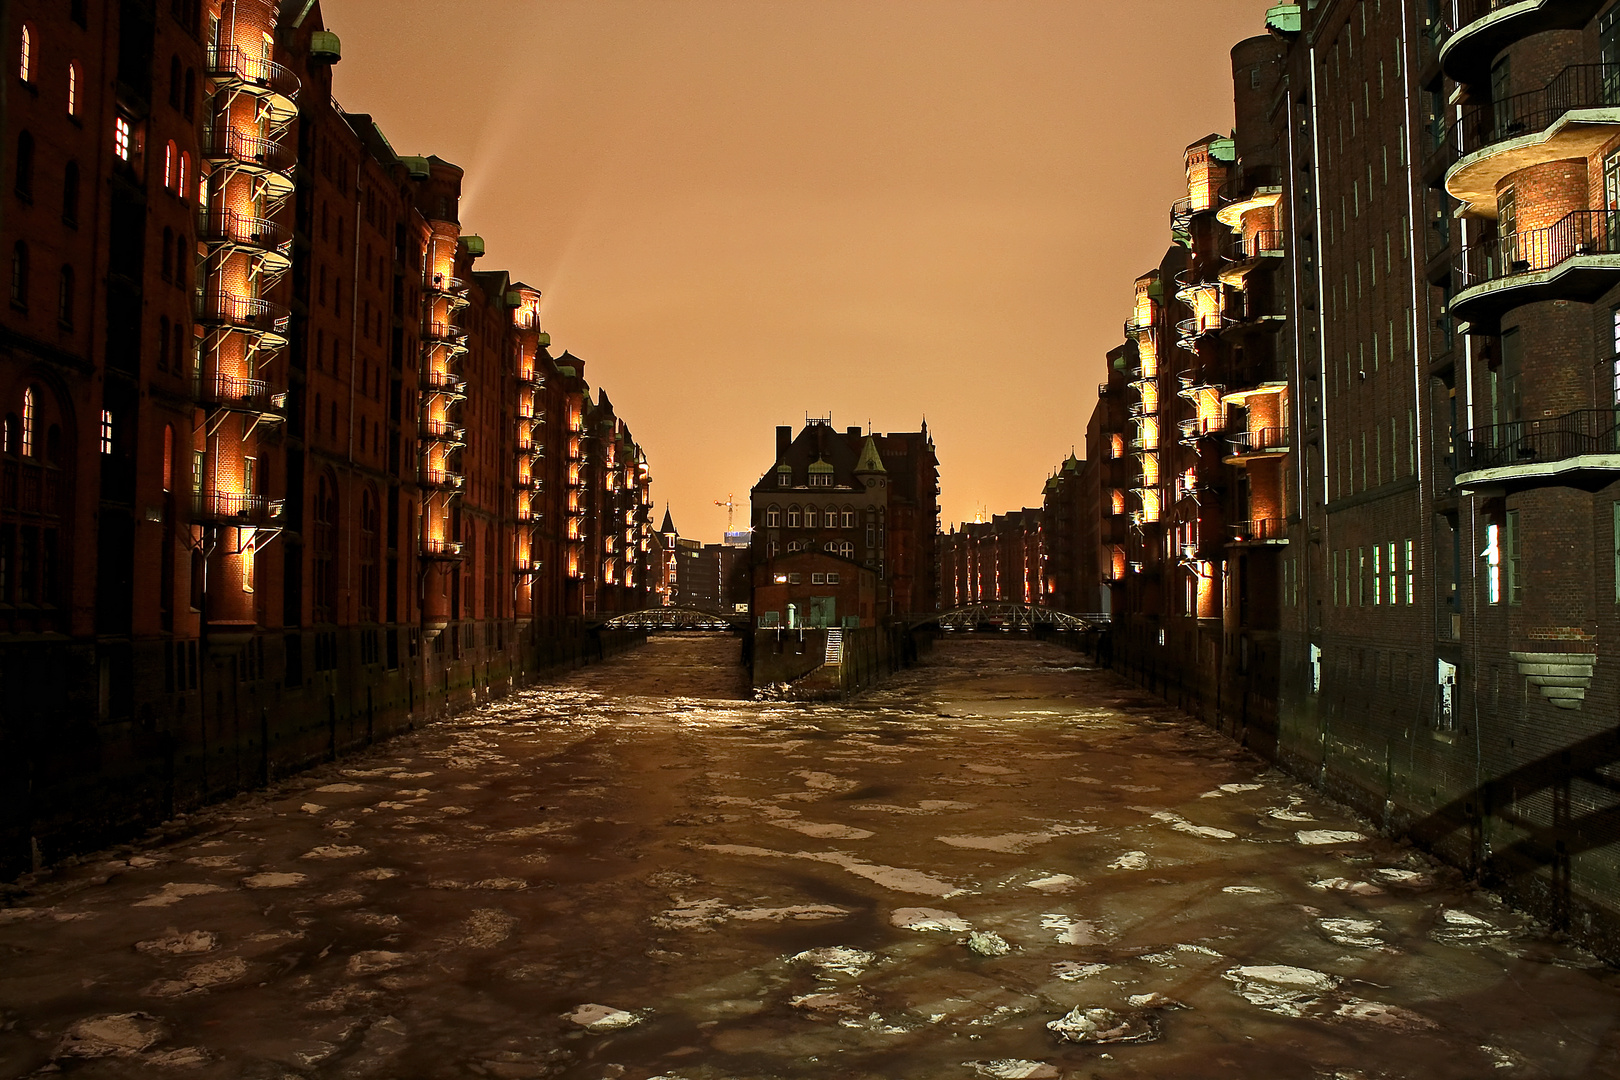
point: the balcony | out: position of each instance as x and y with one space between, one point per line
1250 252
445 384
257 236
1577 258
1139 324
268 160
445 550
1571 117
1194 428
530 377
233 508
1238 201
528 483
1260 532
442 431
1188 331
244 313
1579 449
441 480
238 70
1485 27
435 330
1256 443
446 285
253 396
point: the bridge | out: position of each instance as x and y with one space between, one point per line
1010 616
675 618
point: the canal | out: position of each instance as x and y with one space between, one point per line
1002 863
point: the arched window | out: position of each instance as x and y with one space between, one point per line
70 195
773 517
166 265
64 297
168 165
19 275
29 411
73 88
317 414
180 187
25 166
793 517
25 65
8 432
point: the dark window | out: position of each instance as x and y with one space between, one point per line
64 298
163 360
166 267
25 166
70 195
19 276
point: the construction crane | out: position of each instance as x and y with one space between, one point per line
731 509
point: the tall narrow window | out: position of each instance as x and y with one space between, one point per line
1510 553
168 457
1411 575
25 59
25 166
122 138
169 165
1393 574
70 195
30 402
73 89
180 187
64 298
19 276
1493 564
1377 575
106 431
163 343
166 258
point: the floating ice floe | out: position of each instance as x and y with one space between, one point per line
333 851
925 919
176 891
1406 879
835 959
1014 1069
1246 890
1053 883
200 978
1461 928
372 961
1083 1025
114 1035
336 788
312 808
1352 933
1154 1000
702 914
1131 860
845 1002
1233 789
273 880
1390 1016
174 943
601 1018
1181 824
1348 885
1278 988
1322 837
1070 971
988 943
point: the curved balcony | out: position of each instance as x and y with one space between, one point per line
245 314
1188 331
444 550
1195 428
1579 449
1236 202
446 384
1571 117
1485 27
528 483
1576 258
441 480
268 240
1248 253
276 87
1140 324
267 160
532 450
434 330
451 289
527 568
1256 443
235 508
442 431
253 396
530 377
1260 532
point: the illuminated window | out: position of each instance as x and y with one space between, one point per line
1493 565
1392 574
185 170
106 431
25 65
1377 574
28 410
1411 576
169 165
121 138
73 88
168 457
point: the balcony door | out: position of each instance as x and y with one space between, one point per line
1609 53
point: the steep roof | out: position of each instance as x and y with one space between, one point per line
870 460
669 523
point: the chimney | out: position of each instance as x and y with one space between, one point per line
854 434
784 440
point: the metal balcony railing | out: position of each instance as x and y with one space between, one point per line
445 383
231 64
242 312
1264 528
1526 442
1259 440
234 508
1140 323
441 479
440 549
1268 242
442 430
434 330
245 395
243 230
446 285
1580 232
1579 86
230 145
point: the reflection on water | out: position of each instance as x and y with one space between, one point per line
999 864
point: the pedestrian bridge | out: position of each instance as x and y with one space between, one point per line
1010 616
675 618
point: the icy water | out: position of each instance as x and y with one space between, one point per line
1001 864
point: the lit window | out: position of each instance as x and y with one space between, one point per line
121 138
1377 574
1493 565
106 431
28 422
185 168
168 165
1411 576
73 89
1392 573
25 67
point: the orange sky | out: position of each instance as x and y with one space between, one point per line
744 211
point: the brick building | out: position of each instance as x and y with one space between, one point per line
1372 393
873 499
1000 560
274 452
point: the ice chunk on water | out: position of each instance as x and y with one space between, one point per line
595 1017
923 919
1321 837
1072 931
1053 883
1278 988
1352 933
1014 1069
836 958
986 943
1083 1025
1069 971
1131 860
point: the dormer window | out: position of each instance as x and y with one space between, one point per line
784 477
